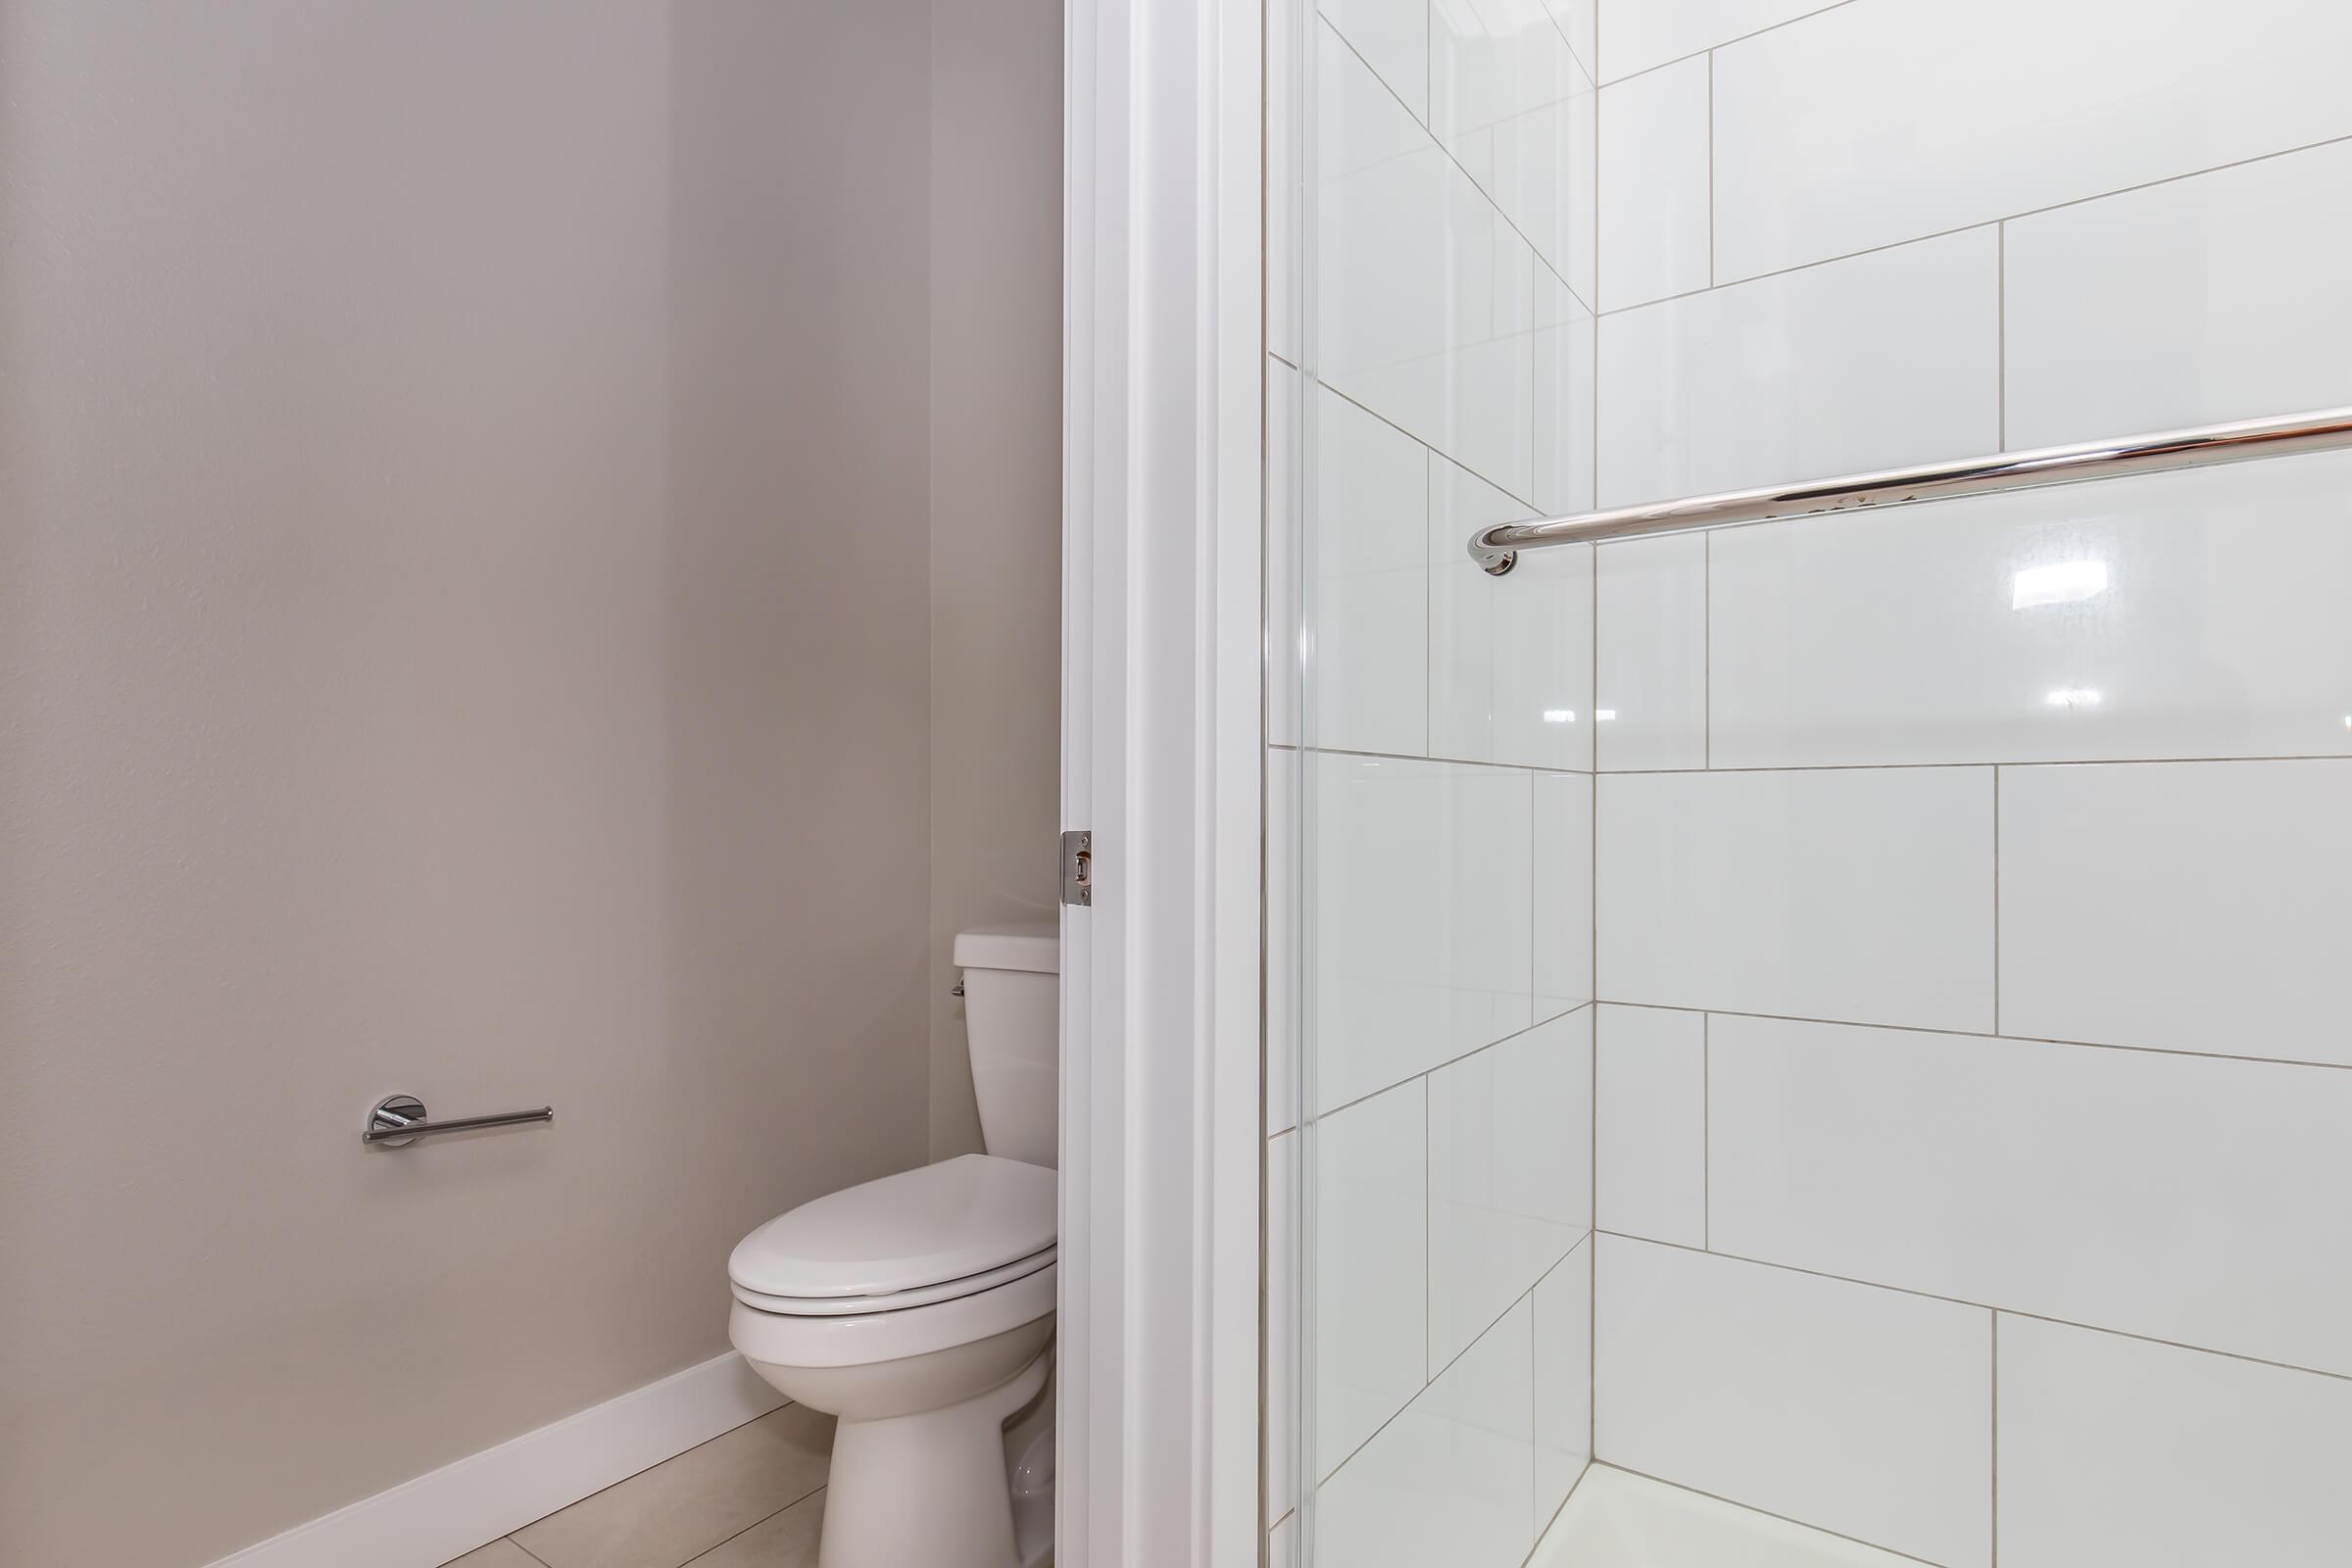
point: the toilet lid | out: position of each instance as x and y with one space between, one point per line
922 1227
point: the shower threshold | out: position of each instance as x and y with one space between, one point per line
1617 1519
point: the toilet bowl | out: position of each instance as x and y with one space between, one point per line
918 1308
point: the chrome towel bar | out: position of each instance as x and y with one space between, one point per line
1497 548
399 1120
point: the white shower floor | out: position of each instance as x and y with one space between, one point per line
1620 1520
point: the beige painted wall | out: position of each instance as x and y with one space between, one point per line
450 643
996 496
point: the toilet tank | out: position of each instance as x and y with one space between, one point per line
1012 1016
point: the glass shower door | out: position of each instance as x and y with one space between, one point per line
1820 1041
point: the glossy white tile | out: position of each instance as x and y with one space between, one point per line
1563 408
1579 24
1509 101
1863 894
1510 658
1655 187
1510 1174
1451 1480
1873 363
1562 1310
1370 1231
1392 36
2118 1453
2218 297
1285 926
1621 1520
1563 892
2195 905
1421 887
1860 1410
1283 1367
1285 542
1871 123
1425 296
1289 29
2181 1197
1651 32
1368 584
1651 1075
1282 1543
2182 614
1650 661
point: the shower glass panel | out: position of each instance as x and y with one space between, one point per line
1819 1042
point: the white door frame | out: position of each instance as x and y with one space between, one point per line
1163 745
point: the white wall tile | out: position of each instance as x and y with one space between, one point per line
1425 296
1510 1175
1371 1263
1285 436
2182 1198
1579 24
1650 664
1510 658
1287 35
1650 1090
1392 38
1510 102
2197 905
1368 589
1562 1320
2214 298
2118 1453
2181 614
1421 890
1452 1479
1860 1410
1649 32
1282 1543
1872 123
1283 1364
1563 409
1863 894
1618 1517
1285 926
1873 363
1654 187
1563 892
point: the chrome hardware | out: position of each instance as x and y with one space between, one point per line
398 1120
1078 866
956 989
2204 446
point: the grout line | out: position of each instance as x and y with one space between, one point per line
1527 1295
1985 1306
1429 1282
1438 143
1981 222
1711 168
1450 1061
1996 1439
747 1529
1996 898
1981 1034
2000 335
1706 1131
1726 43
527 1551
2047 762
1415 757
1373 413
1706 652
1785 1518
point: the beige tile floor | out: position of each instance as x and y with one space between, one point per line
747 1499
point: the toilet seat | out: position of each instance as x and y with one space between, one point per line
857 1339
897 1301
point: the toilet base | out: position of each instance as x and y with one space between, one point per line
928 1487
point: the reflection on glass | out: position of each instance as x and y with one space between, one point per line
2062 582
1601 715
1559 716
2073 697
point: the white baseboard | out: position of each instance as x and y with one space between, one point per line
448 1513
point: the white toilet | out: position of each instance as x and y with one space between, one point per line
919 1307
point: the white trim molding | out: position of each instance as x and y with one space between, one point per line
1162 1106
448 1513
